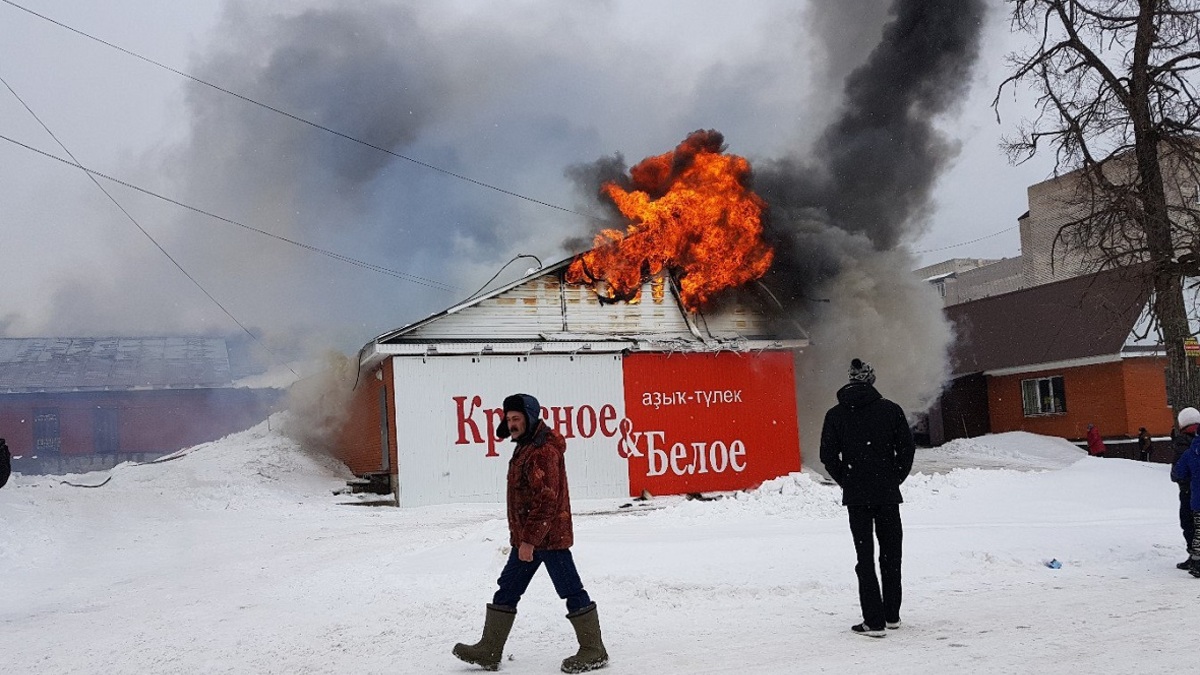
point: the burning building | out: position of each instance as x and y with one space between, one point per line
656 354
649 395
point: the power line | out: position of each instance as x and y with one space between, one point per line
943 248
431 283
143 230
302 120
511 261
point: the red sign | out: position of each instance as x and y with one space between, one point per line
708 422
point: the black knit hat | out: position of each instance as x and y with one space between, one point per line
861 371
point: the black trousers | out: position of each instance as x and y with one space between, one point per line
1194 548
1185 516
866 524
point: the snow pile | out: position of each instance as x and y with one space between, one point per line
938 474
1011 450
796 495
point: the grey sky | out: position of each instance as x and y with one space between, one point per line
510 94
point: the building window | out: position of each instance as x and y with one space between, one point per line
1043 396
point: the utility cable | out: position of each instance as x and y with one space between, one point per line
943 248
143 231
431 283
513 260
302 120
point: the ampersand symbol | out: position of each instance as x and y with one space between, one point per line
626 447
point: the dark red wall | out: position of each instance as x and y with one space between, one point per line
147 421
360 438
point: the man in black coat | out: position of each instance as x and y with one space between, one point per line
867 447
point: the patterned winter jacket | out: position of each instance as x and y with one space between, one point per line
539 502
1187 471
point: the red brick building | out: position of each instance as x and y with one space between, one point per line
80 404
1053 359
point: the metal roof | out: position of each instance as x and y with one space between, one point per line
103 364
1085 317
542 308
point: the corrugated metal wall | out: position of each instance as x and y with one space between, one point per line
521 313
445 445
656 313
735 321
547 306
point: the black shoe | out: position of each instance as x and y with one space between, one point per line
1184 565
1194 569
864 629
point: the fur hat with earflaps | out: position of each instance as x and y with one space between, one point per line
861 371
522 403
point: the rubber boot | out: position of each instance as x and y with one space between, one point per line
487 652
591 654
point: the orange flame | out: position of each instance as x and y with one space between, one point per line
690 213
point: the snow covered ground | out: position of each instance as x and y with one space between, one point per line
237 558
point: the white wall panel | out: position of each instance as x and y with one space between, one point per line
655 313
735 320
443 443
523 312
547 306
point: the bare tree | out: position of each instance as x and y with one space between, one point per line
1117 105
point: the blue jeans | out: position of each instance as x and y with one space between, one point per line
515 578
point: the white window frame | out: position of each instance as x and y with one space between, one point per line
1038 396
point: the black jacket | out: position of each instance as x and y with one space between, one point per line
866 446
5 464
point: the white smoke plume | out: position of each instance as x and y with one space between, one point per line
880 312
318 405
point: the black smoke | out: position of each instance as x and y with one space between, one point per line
840 211
872 170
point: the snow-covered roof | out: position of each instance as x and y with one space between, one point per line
117 363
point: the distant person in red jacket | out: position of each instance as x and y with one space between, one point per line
1094 442
540 531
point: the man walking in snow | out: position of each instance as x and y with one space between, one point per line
1186 472
867 447
540 531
